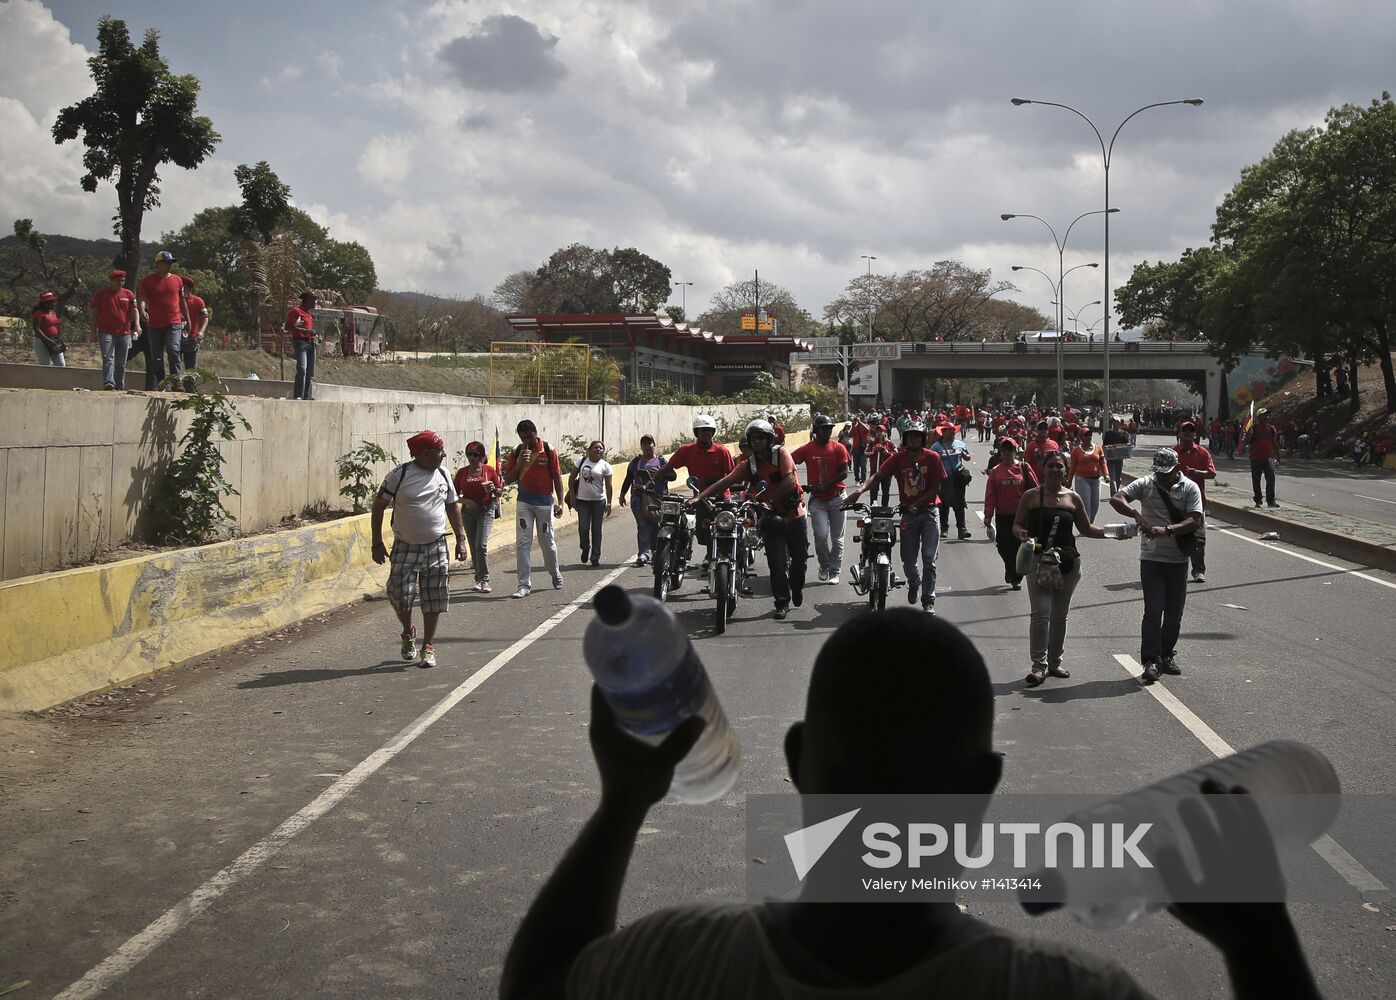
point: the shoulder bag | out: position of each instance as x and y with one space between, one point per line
1188 542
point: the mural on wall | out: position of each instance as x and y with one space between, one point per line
1256 377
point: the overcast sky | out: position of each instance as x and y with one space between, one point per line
461 141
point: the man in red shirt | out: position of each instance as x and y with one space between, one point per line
1263 445
535 467
300 324
114 318
826 464
1197 465
861 432
198 324
1038 448
706 461
165 315
919 474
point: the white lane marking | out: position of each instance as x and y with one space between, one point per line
1317 562
1349 869
169 923
1377 499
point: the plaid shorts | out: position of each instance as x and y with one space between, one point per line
422 568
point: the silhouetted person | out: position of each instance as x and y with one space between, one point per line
922 722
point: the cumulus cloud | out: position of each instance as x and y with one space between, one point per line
507 54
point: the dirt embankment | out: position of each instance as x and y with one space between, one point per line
1299 401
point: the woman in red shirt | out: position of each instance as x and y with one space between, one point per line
1004 487
48 337
479 486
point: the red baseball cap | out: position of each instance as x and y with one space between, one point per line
48 297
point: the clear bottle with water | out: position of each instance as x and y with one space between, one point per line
652 678
1293 785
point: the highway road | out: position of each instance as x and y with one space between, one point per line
306 815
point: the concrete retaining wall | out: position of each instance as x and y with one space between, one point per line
78 468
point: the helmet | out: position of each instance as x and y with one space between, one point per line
702 421
823 420
760 427
915 427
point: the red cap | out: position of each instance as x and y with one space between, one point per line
117 273
48 297
1187 425
188 281
1009 440
419 443
780 431
476 446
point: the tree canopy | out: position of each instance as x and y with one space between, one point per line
1303 254
140 117
724 312
581 279
945 302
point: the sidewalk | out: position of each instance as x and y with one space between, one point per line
1344 535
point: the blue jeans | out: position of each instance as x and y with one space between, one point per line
47 357
190 349
115 347
1089 489
478 521
305 368
590 514
1165 593
167 345
860 464
921 536
827 519
645 529
1263 467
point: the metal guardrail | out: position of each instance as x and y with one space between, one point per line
1050 347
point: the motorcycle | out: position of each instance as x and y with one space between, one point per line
673 549
874 575
733 540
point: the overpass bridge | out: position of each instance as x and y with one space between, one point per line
904 374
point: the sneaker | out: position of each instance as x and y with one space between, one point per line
108 385
1151 672
1199 577
409 645
428 656
586 556
823 575
1269 505
912 591
781 612
929 607
640 560
523 591
1169 666
797 596
1017 586
964 533
484 586
557 583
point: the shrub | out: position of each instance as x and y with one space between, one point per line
189 505
356 472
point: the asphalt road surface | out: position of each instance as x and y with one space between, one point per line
306 815
1336 486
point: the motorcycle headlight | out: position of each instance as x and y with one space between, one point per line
672 506
725 520
882 524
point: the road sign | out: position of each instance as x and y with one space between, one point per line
826 352
749 322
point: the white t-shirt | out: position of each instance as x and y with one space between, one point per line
591 479
702 951
419 498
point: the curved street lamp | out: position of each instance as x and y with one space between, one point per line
1106 152
1075 317
1061 276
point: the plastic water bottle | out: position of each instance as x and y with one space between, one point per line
1281 775
1128 529
652 678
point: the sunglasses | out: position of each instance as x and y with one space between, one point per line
474 454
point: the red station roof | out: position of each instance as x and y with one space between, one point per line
655 329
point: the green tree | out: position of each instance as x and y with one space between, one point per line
1170 295
581 279
1311 235
724 312
640 283
265 200
943 302
140 118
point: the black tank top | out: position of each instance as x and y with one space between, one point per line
1041 519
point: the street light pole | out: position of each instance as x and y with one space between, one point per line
683 287
1105 154
1061 279
869 258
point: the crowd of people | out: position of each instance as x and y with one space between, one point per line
1046 478
165 321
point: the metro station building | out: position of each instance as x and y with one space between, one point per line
653 349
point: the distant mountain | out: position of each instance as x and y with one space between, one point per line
421 298
73 246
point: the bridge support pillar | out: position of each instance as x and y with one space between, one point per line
1213 393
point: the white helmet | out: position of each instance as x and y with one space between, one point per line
702 421
760 427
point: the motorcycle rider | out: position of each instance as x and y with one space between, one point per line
826 465
706 461
784 529
919 474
